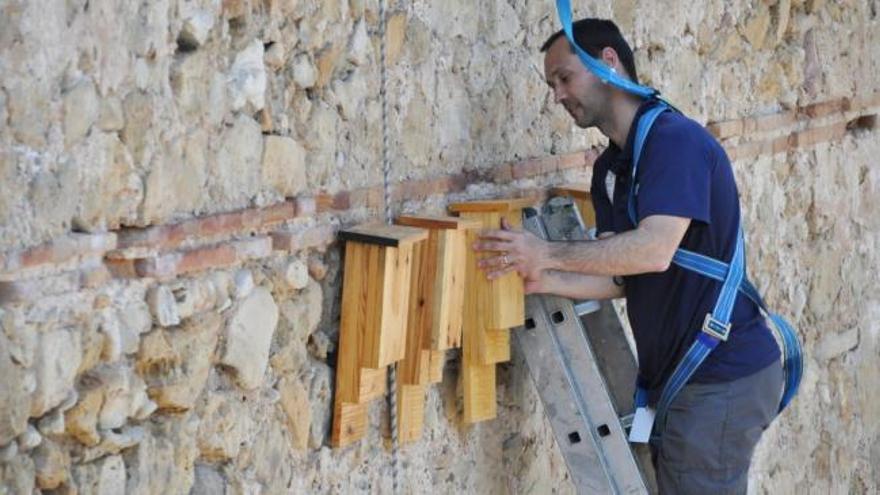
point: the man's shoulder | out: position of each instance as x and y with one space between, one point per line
675 125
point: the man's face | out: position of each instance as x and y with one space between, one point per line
581 93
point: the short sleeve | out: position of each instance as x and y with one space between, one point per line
675 171
599 197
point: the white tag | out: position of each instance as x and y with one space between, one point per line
610 181
643 423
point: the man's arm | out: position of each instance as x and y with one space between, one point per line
646 249
574 285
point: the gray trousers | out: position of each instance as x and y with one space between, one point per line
711 432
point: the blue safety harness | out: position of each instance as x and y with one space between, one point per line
716 326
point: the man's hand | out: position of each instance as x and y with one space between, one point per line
516 250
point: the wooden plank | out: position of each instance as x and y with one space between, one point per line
492 205
438 281
373 384
435 368
449 288
362 263
349 423
500 303
413 367
493 345
410 412
479 392
386 297
383 235
437 222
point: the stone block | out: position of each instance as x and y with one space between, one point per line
283 167
13 396
208 481
247 78
235 175
111 117
105 476
81 421
196 28
175 363
57 359
163 306
81 108
275 56
296 405
51 464
222 429
249 336
305 75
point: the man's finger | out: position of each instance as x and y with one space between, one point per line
495 262
500 273
497 234
491 246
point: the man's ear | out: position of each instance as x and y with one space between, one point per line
609 57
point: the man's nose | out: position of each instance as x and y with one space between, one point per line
559 94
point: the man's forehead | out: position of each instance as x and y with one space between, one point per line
558 55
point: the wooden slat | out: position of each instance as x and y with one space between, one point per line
349 422
435 368
362 263
491 205
413 367
383 235
437 222
500 302
479 392
375 304
373 384
410 412
493 345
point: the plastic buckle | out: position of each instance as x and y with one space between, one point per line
715 328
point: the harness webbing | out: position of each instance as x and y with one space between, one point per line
716 327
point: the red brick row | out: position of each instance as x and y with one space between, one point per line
740 127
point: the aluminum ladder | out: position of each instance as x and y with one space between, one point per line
584 370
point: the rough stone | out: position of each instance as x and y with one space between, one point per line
248 337
296 405
196 28
359 48
284 168
58 358
163 306
81 421
30 439
235 176
18 475
208 481
297 274
52 424
51 464
111 117
275 56
135 320
102 477
305 75
81 107
243 284
175 363
247 78
222 428
165 459
14 404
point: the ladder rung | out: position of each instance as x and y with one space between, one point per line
586 307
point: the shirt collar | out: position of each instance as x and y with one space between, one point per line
621 159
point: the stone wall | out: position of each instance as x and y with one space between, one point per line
173 173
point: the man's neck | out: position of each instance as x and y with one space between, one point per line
624 107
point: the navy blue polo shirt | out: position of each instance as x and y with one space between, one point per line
683 172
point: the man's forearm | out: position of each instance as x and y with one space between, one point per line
580 286
637 251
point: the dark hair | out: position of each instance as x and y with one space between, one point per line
592 35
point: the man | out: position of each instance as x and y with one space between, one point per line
686 198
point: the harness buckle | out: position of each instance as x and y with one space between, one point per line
715 328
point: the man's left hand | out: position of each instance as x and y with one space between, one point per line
515 250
